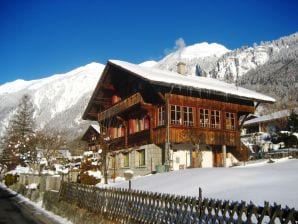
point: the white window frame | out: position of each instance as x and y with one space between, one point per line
215 119
231 117
204 118
188 116
177 118
161 119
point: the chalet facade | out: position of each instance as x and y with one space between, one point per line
153 119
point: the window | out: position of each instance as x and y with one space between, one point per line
93 138
176 115
188 116
215 119
230 121
125 157
161 116
146 122
141 157
112 162
204 118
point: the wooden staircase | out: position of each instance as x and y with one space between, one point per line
242 153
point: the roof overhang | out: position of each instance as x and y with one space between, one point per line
211 88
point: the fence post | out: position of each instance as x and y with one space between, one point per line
60 191
200 205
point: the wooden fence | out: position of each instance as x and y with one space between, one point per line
124 206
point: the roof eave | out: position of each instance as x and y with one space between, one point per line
173 85
86 116
213 92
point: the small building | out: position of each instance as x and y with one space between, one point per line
154 120
272 122
91 136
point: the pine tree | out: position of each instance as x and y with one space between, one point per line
293 122
9 155
18 143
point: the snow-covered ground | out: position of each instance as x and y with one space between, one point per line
257 182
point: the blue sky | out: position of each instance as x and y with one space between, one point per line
39 38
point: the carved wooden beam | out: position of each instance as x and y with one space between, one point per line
107 86
162 96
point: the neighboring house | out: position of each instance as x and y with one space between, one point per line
91 136
63 156
268 123
153 118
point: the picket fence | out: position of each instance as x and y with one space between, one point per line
134 206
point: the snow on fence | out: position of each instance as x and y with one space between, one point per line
125 206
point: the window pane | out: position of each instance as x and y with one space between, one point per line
125 160
190 116
230 121
204 118
141 157
187 116
173 114
176 115
161 116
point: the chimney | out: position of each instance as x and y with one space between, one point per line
181 68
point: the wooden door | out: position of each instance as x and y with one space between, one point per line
217 158
196 159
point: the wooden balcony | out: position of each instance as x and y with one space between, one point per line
117 143
136 139
139 138
121 106
210 137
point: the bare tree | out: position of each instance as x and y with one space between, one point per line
49 143
103 141
196 139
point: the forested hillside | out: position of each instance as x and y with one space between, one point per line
279 76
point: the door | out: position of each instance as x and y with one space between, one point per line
217 158
196 159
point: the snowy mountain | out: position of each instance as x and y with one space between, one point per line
235 64
58 100
204 55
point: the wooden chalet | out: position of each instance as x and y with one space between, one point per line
275 121
151 117
91 136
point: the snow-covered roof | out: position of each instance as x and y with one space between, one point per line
92 126
205 84
270 117
96 127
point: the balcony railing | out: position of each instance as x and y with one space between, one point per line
120 106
